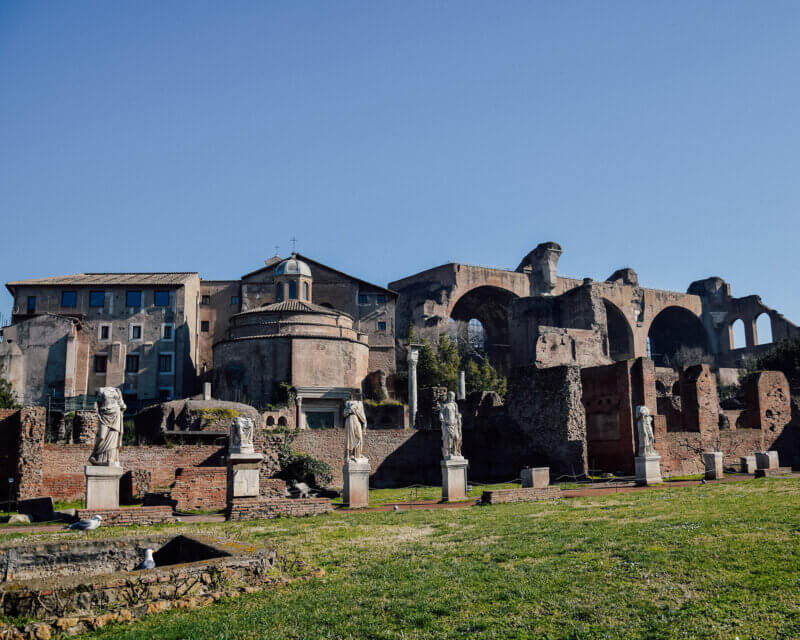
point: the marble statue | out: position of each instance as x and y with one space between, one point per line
241 435
110 410
355 423
644 428
450 417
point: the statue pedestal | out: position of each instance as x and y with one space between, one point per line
355 490
102 486
243 475
648 470
713 464
454 478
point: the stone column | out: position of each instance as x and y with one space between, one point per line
355 491
299 417
462 385
206 391
713 463
413 358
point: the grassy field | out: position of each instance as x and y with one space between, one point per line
715 561
388 496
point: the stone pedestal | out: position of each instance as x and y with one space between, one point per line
102 486
243 475
748 464
713 463
355 491
454 478
536 477
767 460
648 470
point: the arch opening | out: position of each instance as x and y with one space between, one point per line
738 340
678 339
480 321
764 329
620 335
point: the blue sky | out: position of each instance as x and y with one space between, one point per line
392 137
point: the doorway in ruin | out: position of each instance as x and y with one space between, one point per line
620 336
675 334
479 320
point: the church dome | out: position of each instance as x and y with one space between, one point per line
293 267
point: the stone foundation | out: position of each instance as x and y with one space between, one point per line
498 496
134 515
258 508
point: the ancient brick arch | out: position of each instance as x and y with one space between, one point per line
490 306
673 327
621 340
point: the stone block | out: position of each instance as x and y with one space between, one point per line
454 479
39 509
102 486
767 460
748 464
243 475
713 464
648 470
355 476
536 477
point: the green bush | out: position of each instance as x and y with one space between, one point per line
301 467
7 400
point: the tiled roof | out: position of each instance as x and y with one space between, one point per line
298 305
109 279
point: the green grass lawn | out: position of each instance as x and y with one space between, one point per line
713 561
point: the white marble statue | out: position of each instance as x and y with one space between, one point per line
355 424
450 418
644 428
110 410
241 435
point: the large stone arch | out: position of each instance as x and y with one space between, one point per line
489 305
620 335
672 328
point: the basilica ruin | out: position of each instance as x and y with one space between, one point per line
288 345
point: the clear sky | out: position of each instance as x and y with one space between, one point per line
392 137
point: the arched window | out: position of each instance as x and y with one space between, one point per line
764 329
305 291
738 334
270 421
282 421
279 293
292 290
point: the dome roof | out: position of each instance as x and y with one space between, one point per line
293 267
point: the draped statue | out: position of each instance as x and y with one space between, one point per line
644 429
355 424
450 417
241 435
110 411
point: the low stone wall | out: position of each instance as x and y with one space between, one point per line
498 496
258 508
133 515
200 488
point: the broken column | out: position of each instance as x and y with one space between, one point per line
243 461
206 391
413 358
713 464
462 385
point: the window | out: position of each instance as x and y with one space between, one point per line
133 298
69 299
97 299
204 326
279 293
381 326
31 304
363 298
320 419
292 290
305 291
161 299
132 363
205 300
136 332
381 299
100 364
104 333
164 394
234 301
168 332
165 363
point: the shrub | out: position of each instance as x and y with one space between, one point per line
301 467
7 400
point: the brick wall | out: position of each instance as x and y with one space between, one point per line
201 488
527 494
63 465
257 508
133 515
32 422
